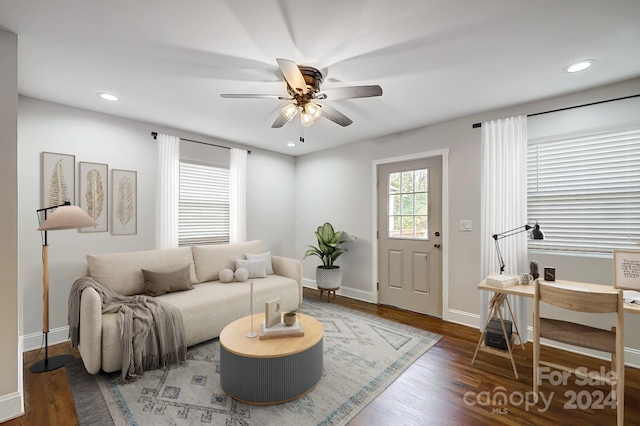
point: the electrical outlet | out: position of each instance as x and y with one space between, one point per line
465 225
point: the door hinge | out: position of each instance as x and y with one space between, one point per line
378 286
377 235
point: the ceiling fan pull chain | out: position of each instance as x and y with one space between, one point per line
301 134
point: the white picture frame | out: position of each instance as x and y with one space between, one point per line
626 269
124 202
58 179
93 194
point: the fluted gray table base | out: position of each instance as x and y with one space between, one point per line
267 381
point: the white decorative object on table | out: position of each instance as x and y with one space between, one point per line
272 315
251 333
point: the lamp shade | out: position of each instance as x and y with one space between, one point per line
313 110
537 234
289 111
67 217
305 119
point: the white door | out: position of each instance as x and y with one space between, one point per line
410 235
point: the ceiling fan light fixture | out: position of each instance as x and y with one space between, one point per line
314 110
305 119
289 111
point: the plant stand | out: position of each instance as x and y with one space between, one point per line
328 290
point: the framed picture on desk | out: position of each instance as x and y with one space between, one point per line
626 269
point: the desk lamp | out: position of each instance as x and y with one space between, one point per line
536 234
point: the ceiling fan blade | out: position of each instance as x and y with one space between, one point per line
350 92
335 116
280 121
253 96
292 74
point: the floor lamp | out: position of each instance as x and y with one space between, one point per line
64 216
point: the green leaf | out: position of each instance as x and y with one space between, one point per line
327 232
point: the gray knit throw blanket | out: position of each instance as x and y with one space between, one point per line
152 332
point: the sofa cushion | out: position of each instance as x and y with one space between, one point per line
210 260
122 272
267 259
157 283
256 268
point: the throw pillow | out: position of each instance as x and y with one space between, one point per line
242 275
226 275
256 268
157 283
267 258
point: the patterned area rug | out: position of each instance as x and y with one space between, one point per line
362 356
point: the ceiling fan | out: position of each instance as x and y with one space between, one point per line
303 86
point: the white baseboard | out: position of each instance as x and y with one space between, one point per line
36 340
11 406
462 318
353 293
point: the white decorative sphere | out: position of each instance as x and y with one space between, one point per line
242 274
226 275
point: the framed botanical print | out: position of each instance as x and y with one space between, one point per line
58 179
124 202
93 194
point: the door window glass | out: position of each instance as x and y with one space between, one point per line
408 204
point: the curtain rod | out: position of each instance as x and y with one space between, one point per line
155 136
476 125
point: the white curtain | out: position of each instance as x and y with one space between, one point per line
168 191
238 196
504 206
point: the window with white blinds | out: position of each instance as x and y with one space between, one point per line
584 189
204 205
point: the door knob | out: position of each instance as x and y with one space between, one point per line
436 245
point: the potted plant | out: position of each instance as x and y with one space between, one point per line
328 275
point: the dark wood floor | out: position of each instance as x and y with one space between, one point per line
441 388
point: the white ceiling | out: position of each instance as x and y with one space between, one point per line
436 60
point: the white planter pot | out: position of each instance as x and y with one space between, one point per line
328 278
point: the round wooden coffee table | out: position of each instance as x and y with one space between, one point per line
269 371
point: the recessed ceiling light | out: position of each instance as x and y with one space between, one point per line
291 144
579 66
108 96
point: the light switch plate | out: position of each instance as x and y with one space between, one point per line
465 225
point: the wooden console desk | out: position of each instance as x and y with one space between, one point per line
499 300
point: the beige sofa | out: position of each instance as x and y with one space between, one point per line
206 309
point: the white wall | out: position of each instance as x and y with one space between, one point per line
11 402
122 144
271 201
336 186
